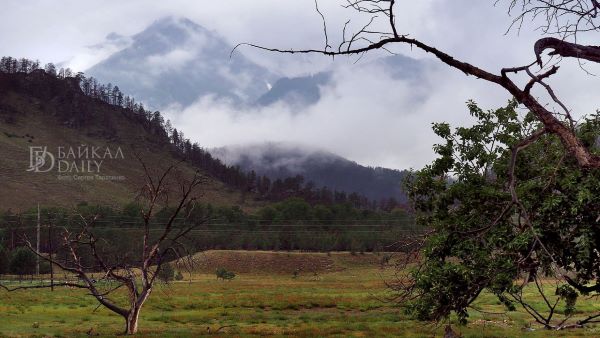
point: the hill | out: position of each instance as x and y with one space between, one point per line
60 147
280 160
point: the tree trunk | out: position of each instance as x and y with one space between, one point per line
132 320
133 316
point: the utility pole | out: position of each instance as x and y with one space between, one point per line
37 246
50 255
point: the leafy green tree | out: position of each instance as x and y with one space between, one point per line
23 262
323 214
505 202
294 209
268 214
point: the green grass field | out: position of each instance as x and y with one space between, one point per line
343 299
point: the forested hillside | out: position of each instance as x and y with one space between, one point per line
280 160
55 108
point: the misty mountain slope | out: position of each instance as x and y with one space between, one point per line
402 67
279 160
176 61
296 91
306 90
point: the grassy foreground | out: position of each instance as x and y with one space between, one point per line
342 299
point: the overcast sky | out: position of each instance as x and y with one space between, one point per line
367 117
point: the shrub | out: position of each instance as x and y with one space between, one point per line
45 267
23 262
166 273
385 259
223 274
178 276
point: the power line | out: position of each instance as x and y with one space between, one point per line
184 218
233 229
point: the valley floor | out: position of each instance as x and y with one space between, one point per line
343 297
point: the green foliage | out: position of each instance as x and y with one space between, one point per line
166 273
178 276
482 240
294 209
323 213
44 267
569 295
23 262
224 274
298 210
316 228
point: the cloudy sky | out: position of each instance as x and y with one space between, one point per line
366 116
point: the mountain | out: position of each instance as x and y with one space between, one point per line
176 61
60 147
297 91
279 160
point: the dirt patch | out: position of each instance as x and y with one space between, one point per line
279 262
348 260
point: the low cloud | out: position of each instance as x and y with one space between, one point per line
93 54
274 156
365 115
174 60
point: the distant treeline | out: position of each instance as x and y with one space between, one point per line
292 224
164 133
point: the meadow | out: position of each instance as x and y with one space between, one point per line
337 294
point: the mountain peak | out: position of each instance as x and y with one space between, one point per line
169 33
175 24
177 61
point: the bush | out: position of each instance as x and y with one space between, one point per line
178 276
224 274
23 262
45 267
166 273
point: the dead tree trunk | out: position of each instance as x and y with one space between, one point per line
132 320
132 317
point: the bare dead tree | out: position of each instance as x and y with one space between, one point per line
566 17
103 272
